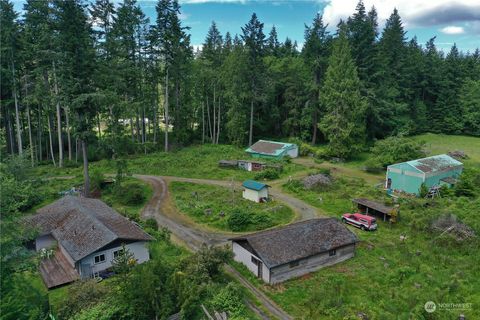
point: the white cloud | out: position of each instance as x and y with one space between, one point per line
413 12
210 1
453 30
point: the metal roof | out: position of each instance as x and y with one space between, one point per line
254 185
434 163
298 240
271 148
84 225
373 205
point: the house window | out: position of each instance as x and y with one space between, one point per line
117 253
332 252
100 258
293 264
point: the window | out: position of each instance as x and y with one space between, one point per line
293 264
255 260
332 252
117 253
100 258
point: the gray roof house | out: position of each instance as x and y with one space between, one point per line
282 253
86 235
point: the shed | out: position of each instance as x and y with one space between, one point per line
370 207
433 171
251 165
255 191
228 163
286 252
272 149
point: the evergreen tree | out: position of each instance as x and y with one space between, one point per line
272 44
344 122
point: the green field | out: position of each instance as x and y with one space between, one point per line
205 203
441 143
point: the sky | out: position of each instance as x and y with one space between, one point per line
451 21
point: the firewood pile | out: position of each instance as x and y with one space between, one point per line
458 154
450 225
316 180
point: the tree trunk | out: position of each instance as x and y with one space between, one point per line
214 124
50 139
250 134
10 132
86 177
218 120
208 118
17 114
166 112
131 129
99 126
29 123
137 126
315 127
39 135
203 122
76 150
69 138
59 119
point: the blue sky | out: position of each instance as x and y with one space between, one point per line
452 21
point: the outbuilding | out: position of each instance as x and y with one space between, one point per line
272 150
279 254
432 171
255 191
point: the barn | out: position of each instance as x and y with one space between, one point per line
272 150
279 254
433 171
255 191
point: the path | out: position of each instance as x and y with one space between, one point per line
160 208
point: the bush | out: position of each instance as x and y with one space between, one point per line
96 180
151 223
393 150
268 174
131 193
229 299
239 220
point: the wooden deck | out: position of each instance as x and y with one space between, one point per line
57 271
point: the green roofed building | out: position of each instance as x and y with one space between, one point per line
433 171
255 191
272 150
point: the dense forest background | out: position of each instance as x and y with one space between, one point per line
76 74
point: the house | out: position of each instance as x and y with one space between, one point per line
85 235
255 191
272 150
282 253
433 171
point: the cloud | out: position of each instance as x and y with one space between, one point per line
211 1
413 12
453 30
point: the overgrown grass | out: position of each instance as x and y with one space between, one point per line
206 204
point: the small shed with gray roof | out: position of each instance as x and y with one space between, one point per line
282 253
433 171
84 235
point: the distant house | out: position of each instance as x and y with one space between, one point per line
85 235
255 191
272 150
282 253
250 165
433 171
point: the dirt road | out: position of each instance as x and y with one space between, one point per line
160 208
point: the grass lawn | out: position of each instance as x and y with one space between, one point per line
203 203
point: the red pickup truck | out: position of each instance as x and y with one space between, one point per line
361 221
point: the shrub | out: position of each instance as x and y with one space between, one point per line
229 299
151 223
239 220
261 221
393 150
130 193
268 174
96 179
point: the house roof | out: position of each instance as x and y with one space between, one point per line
83 225
271 148
254 185
298 240
434 163
373 205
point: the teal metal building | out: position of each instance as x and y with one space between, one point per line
272 150
433 171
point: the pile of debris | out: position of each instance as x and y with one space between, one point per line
317 180
449 225
458 154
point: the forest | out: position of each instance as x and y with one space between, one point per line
77 74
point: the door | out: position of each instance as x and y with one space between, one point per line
260 270
389 183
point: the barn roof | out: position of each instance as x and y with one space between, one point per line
298 240
271 148
434 163
254 185
83 225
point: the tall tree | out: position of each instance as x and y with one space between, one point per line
254 40
344 122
